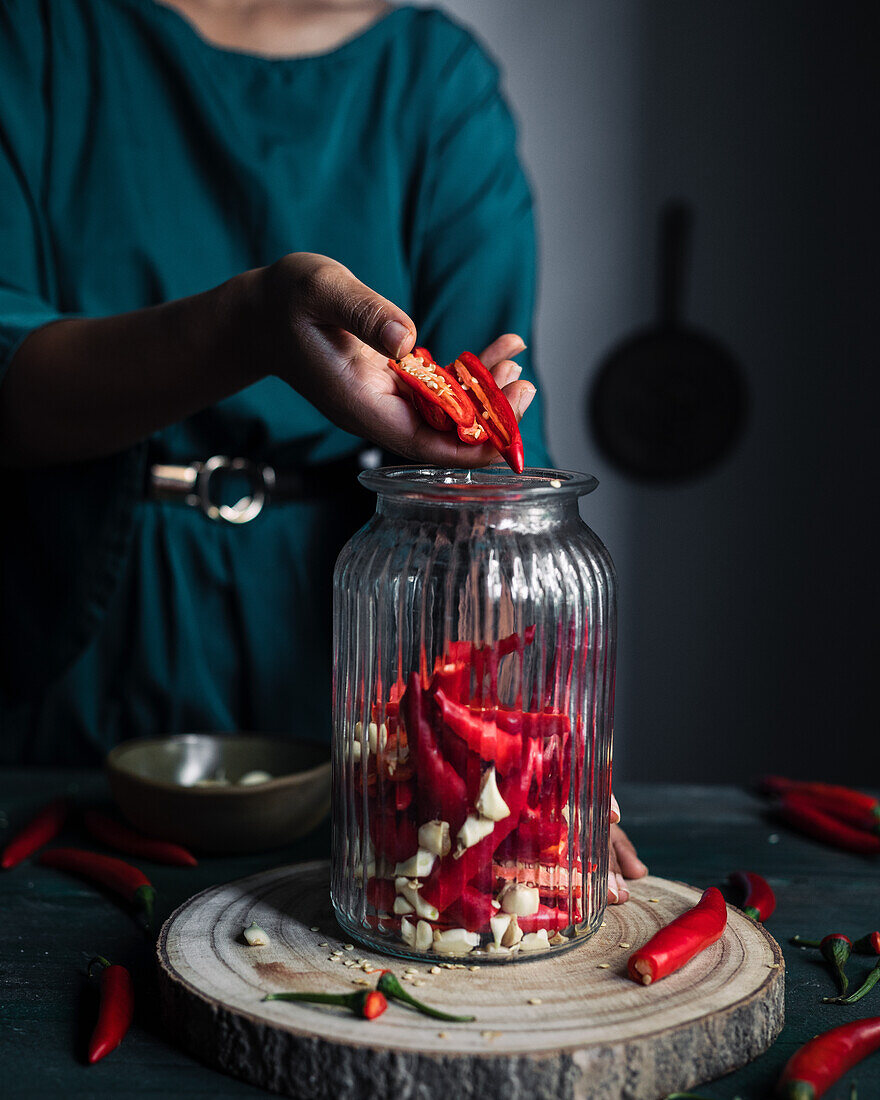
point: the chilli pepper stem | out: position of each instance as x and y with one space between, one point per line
391 987
368 1003
866 987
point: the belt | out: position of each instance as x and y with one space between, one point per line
192 484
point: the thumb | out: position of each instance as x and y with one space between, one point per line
338 298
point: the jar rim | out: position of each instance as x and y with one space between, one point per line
450 485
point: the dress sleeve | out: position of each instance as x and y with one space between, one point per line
68 528
474 241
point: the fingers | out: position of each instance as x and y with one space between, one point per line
520 395
615 810
334 296
505 372
628 861
504 347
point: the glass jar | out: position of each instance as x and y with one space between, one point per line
473 689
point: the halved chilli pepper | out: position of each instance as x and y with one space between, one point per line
368 1003
760 900
798 810
116 835
813 1069
504 750
493 410
436 386
39 831
866 987
451 874
114 874
868 944
444 790
854 807
116 1011
547 917
670 948
430 412
391 987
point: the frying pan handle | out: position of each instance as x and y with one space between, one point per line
675 230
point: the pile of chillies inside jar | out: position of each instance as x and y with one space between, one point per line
472 762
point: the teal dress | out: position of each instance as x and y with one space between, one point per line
139 163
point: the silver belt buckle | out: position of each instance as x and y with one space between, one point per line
192 484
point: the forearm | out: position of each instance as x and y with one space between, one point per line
81 389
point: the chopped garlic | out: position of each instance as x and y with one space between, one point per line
356 751
493 949
410 891
407 932
417 866
489 802
473 831
424 936
251 779
499 925
377 736
434 837
401 906
256 936
513 934
535 941
455 941
519 899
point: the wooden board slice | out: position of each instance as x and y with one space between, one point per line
593 1033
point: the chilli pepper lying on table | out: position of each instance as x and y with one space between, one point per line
40 830
464 396
116 835
760 900
114 874
854 807
116 1011
482 853
677 943
391 987
799 810
813 1069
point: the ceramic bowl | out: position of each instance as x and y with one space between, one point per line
168 788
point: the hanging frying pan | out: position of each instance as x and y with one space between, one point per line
670 402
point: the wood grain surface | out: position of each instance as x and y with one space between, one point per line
568 1026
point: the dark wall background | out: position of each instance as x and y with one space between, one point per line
749 615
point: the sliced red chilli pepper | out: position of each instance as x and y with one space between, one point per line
39 831
545 723
868 944
441 788
114 874
866 987
451 874
116 835
430 412
116 1011
799 811
436 386
493 410
504 750
813 1069
547 917
391 987
368 1003
394 836
670 948
381 894
471 911
760 901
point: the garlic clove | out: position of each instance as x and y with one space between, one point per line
474 830
499 925
489 802
535 941
255 935
251 779
495 949
417 866
407 932
434 837
513 935
377 736
410 890
455 941
401 906
424 936
519 899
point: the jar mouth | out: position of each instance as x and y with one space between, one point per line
499 483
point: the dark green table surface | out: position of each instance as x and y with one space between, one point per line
51 924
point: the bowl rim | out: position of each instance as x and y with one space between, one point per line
112 764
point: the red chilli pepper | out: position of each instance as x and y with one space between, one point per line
116 1011
443 788
368 1003
437 389
493 410
868 944
433 414
493 745
854 807
799 811
116 835
116 875
813 1069
39 831
760 900
670 948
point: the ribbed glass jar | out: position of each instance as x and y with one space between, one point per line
473 691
